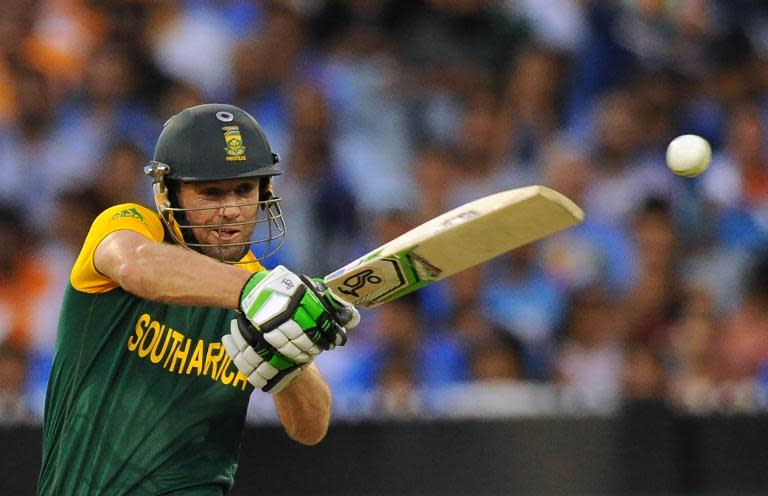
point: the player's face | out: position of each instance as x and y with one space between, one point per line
227 210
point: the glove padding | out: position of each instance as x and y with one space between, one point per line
287 320
258 360
346 313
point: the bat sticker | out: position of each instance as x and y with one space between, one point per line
458 219
355 282
424 270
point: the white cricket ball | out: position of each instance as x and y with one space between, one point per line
689 155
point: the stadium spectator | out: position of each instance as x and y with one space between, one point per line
22 279
595 252
654 300
120 177
591 358
30 146
433 358
13 409
526 303
75 209
499 357
435 171
643 378
692 354
623 178
530 113
738 182
742 347
480 149
317 196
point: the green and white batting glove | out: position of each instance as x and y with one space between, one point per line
286 321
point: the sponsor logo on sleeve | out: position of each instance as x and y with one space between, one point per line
128 213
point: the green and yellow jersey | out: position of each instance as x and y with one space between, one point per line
142 397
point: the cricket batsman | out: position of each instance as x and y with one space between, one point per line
169 322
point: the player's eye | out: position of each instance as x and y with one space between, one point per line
244 189
212 192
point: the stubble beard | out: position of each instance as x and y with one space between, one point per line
225 252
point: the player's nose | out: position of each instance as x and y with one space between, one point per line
229 208
230 211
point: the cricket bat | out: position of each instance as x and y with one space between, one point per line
451 242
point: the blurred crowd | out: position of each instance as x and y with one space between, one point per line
388 112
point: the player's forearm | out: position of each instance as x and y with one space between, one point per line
172 274
304 407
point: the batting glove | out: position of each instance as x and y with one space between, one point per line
286 321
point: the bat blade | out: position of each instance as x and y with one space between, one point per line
456 240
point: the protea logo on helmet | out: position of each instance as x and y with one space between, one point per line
235 148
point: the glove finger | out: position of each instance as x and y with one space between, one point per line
237 337
257 381
319 290
346 315
340 338
290 329
343 315
329 327
267 371
229 346
279 293
253 357
354 319
242 364
333 333
248 360
276 338
304 343
294 353
264 371
292 332
320 339
261 376
281 380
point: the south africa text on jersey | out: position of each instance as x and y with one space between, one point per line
177 354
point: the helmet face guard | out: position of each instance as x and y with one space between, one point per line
217 142
267 227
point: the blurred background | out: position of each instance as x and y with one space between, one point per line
642 333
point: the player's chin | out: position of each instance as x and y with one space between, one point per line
231 250
226 253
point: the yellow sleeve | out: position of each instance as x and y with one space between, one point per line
129 216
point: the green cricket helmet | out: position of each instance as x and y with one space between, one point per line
215 142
